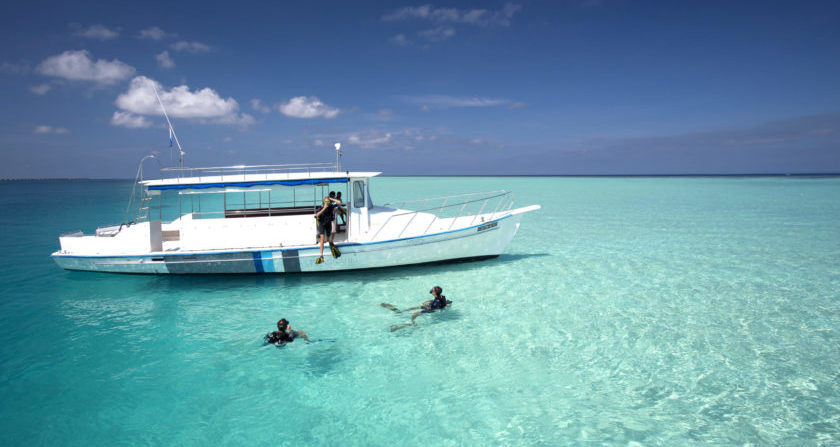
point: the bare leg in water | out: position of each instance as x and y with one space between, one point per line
390 307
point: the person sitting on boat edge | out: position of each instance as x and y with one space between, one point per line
284 334
335 207
339 210
324 217
438 301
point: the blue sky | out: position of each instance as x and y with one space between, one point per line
561 87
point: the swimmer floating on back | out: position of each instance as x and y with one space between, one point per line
438 301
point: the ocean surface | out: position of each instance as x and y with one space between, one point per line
628 311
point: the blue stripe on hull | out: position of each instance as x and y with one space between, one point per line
267 262
258 265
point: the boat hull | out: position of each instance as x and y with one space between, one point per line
486 240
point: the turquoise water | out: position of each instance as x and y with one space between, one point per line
628 311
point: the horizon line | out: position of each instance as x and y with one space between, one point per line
802 174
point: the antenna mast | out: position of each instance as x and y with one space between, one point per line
172 131
337 157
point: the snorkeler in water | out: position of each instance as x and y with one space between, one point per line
284 334
437 302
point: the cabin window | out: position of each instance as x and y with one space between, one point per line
358 194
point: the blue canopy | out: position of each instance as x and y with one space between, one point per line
249 184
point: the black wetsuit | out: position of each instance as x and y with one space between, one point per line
278 337
325 219
437 303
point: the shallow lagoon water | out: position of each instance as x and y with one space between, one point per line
651 311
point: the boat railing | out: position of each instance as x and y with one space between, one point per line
242 171
403 203
466 207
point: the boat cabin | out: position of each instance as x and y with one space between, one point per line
250 206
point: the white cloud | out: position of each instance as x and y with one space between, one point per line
191 47
242 120
154 33
164 61
204 105
228 139
419 12
444 101
438 34
98 32
476 17
129 120
78 66
40 89
400 40
307 107
257 105
369 139
381 138
49 129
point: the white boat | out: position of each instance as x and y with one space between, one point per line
259 219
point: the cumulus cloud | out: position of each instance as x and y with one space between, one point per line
49 129
307 107
476 17
369 139
257 105
204 105
129 120
154 33
99 32
438 34
446 102
164 61
191 47
79 66
40 89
